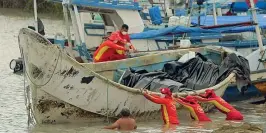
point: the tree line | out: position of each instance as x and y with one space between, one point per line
43 5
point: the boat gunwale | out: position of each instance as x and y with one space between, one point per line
226 81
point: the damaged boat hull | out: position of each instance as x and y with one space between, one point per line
64 90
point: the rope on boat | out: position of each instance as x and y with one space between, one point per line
31 118
26 95
107 100
261 59
59 54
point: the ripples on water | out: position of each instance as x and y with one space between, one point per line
13 117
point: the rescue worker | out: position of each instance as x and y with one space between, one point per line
125 123
196 112
115 47
168 107
122 37
220 104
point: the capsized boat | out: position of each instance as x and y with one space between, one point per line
63 90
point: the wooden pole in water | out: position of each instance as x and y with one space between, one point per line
35 15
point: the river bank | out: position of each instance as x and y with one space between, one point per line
13 116
27 6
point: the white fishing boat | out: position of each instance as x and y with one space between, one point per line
64 90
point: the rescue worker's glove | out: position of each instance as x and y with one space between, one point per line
129 45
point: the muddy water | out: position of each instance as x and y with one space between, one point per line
13 116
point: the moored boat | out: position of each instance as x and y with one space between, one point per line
64 90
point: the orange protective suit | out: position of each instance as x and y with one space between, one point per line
196 112
168 107
220 104
121 39
109 51
113 48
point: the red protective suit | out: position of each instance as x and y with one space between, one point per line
168 107
121 39
221 105
109 51
113 48
196 112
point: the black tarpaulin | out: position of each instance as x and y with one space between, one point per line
196 73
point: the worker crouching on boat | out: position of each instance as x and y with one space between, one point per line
196 112
115 47
168 107
220 104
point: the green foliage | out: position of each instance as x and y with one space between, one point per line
43 5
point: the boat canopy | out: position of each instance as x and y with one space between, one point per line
243 6
209 20
181 29
105 4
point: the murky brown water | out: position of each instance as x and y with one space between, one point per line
13 117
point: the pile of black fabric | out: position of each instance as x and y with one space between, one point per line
195 74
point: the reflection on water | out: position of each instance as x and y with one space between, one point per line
13 117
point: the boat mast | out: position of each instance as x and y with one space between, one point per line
69 49
214 12
65 11
35 15
257 29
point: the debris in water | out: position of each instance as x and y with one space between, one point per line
244 128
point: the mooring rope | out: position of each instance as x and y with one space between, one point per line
26 91
26 95
107 100
25 72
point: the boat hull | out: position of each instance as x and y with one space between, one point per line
257 89
64 90
260 83
261 87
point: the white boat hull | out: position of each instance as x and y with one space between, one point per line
64 90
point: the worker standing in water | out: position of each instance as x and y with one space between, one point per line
125 123
168 107
115 47
220 104
196 112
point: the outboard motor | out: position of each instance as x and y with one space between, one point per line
16 65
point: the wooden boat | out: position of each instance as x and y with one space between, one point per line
257 66
64 90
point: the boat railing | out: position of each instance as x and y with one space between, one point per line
118 4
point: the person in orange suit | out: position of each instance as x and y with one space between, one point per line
168 107
122 38
220 104
196 112
115 47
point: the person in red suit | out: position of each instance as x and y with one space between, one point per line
115 47
196 112
122 38
220 104
168 107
